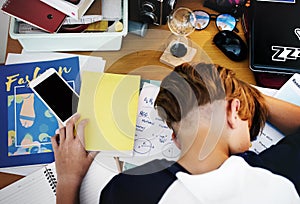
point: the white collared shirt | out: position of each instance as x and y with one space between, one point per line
235 182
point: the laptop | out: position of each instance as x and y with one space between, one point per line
275 36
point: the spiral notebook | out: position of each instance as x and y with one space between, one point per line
40 186
36 13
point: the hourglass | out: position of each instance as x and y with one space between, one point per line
181 23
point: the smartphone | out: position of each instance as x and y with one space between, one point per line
56 94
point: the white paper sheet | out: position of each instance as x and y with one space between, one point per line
87 63
290 92
153 138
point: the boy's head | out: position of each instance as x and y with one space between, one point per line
190 86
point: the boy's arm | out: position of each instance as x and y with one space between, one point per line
283 115
71 160
67 192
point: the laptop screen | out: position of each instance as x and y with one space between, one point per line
275 36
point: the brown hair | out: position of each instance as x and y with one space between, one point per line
189 86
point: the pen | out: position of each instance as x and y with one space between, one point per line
245 25
245 20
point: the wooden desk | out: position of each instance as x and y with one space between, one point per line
141 56
133 54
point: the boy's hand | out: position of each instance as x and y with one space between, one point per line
72 161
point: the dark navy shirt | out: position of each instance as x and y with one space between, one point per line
144 184
147 183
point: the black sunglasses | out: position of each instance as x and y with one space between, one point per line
223 21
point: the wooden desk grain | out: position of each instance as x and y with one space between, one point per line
141 56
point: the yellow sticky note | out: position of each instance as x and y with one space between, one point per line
110 102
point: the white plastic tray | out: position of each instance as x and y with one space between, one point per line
97 41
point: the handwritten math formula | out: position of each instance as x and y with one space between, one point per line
153 136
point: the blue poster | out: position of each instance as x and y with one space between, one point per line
28 123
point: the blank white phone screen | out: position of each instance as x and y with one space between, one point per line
58 96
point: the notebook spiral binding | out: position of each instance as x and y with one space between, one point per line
51 179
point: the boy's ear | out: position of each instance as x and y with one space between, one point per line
232 112
175 140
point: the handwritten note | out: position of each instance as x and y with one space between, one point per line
153 136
